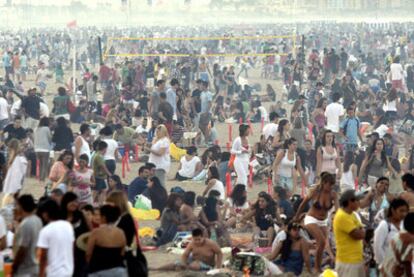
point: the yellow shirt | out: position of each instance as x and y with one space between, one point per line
348 250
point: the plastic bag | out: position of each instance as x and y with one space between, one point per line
142 202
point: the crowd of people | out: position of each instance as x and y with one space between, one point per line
335 148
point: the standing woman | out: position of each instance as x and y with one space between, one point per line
106 246
240 149
42 146
285 165
282 133
318 116
323 198
127 224
16 170
82 180
375 163
160 153
327 156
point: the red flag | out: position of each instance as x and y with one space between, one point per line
72 24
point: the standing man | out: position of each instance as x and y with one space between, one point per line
166 112
91 93
334 113
55 244
350 130
31 109
349 235
41 77
27 234
172 95
206 99
155 99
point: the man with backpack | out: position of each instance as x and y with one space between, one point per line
349 129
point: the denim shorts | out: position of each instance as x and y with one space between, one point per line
100 184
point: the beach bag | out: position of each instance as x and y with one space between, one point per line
142 202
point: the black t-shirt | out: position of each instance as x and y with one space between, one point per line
167 110
31 105
63 138
12 132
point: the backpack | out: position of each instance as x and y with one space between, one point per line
346 125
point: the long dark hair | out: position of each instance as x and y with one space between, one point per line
324 138
287 243
65 153
395 204
281 126
214 173
171 201
238 195
271 205
157 193
372 151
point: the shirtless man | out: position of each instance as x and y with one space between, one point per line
408 193
201 254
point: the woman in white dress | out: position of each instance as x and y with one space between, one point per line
241 150
160 153
16 169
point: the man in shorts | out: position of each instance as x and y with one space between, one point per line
201 254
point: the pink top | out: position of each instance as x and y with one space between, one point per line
57 171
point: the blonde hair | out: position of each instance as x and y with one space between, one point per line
119 199
14 148
162 132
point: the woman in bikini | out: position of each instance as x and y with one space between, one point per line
323 198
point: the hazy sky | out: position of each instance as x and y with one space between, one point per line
60 2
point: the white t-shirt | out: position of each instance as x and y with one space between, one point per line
110 151
4 114
270 129
58 238
164 161
382 130
188 168
396 71
332 113
218 186
140 129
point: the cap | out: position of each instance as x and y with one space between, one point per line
350 195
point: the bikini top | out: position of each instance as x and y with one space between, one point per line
317 205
